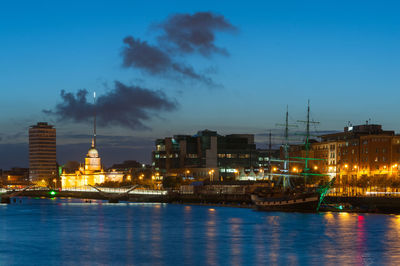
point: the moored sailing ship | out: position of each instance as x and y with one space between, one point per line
286 197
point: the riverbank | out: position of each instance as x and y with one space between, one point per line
385 205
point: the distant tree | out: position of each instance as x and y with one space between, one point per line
172 182
71 166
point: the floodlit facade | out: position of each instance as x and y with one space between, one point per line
359 153
91 173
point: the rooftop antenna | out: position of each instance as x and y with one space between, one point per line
94 120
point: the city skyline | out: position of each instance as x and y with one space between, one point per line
264 56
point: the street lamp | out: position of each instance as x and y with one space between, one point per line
211 173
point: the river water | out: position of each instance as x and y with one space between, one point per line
72 232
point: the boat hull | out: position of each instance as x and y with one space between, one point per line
303 204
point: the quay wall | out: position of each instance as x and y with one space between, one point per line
368 204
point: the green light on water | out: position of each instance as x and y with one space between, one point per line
340 207
53 193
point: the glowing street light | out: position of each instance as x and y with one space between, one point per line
211 173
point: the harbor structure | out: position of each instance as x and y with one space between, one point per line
42 152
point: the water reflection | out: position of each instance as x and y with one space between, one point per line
211 249
163 234
236 241
188 236
156 235
275 237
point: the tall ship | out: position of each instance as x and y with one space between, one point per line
289 191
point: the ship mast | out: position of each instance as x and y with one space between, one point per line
285 170
306 170
270 155
286 150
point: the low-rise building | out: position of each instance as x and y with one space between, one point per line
362 151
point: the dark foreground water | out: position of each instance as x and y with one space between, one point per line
71 232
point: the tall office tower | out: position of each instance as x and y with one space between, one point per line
42 152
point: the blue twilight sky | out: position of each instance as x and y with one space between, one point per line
342 55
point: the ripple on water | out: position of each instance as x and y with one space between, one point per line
74 232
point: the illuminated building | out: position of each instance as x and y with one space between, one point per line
42 152
208 155
91 173
359 152
15 177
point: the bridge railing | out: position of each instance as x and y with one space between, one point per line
91 189
117 190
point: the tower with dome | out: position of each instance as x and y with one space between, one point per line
91 172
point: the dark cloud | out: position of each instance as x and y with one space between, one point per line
140 54
153 60
195 33
181 34
125 106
